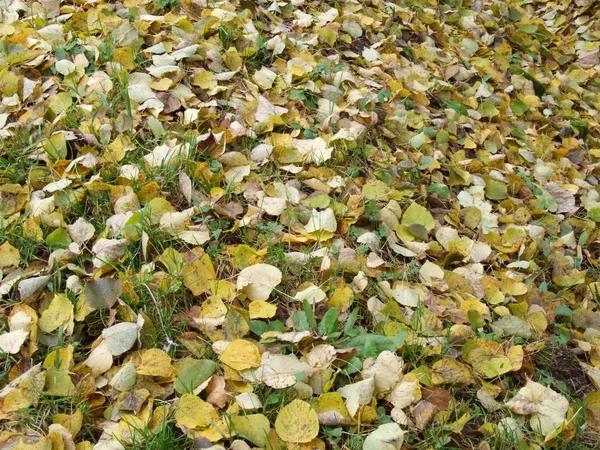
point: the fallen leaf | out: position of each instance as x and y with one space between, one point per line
388 436
297 422
155 363
258 281
241 355
547 408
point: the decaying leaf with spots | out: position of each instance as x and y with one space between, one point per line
297 422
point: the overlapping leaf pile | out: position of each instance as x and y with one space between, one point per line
299 224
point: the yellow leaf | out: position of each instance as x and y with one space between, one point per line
57 315
328 36
458 425
512 287
342 297
198 272
297 422
260 309
56 147
254 427
331 410
241 355
72 422
61 358
43 444
156 363
447 371
223 289
193 412
9 83
9 256
58 383
57 104
592 405
489 359
243 255
418 215
18 399
232 59
172 260
205 79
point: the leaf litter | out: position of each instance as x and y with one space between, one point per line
299 224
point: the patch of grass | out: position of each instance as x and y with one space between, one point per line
161 303
16 152
39 417
29 248
166 437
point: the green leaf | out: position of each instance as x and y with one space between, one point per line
442 137
371 345
329 323
416 214
349 327
258 326
308 312
297 95
519 107
488 109
456 106
563 311
440 189
495 190
529 28
299 321
194 376
594 214
59 238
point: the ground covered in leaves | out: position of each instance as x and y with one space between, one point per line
299 224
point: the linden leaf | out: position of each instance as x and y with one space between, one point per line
358 394
281 371
447 371
548 409
592 405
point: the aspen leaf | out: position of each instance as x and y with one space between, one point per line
121 337
388 436
198 271
193 412
258 281
297 422
241 355
155 363
9 255
58 314
418 215
547 408
261 310
254 427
